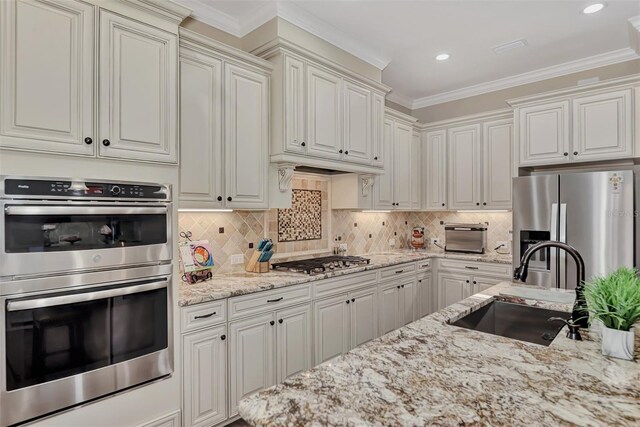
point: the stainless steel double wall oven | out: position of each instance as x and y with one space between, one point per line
85 292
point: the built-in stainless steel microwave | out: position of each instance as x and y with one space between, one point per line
468 238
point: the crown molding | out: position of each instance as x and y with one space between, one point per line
399 115
634 33
168 10
588 63
400 100
503 113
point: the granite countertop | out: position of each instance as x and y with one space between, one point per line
228 285
431 373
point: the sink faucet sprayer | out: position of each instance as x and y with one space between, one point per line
579 314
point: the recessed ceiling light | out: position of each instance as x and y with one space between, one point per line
442 57
596 7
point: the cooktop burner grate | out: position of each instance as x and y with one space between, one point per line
321 264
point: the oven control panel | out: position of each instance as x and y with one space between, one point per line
83 190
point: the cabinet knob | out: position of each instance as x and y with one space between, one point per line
484 204
402 286
419 281
346 152
467 281
219 198
347 301
566 154
229 199
340 151
280 321
477 203
443 204
575 153
88 140
303 144
223 337
106 142
475 283
398 286
272 323
353 300
375 158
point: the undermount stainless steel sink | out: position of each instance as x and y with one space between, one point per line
520 322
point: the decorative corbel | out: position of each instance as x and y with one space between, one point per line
285 174
366 182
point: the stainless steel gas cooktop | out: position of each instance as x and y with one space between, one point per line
321 264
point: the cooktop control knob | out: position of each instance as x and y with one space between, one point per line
115 190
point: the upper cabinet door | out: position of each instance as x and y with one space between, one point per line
294 130
434 159
416 172
464 167
383 184
544 133
246 137
46 83
201 164
357 123
402 166
377 130
138 90
497 142
602 126
324 130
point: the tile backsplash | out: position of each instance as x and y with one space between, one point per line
230 233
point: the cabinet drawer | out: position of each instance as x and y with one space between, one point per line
473 267
397 270
202 315
423 265
267 301
344 284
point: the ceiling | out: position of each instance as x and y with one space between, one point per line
403 37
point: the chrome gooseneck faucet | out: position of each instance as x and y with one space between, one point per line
579 315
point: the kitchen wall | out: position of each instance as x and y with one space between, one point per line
497 100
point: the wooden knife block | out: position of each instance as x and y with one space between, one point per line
253 266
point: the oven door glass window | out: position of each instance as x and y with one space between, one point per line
76 232
47 343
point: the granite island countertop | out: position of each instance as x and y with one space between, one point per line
226 285
432 373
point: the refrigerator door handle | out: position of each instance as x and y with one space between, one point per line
553 252
562 269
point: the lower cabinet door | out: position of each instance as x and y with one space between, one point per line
483 283
251 357
331 332
293 333
205 377
389 294
425 298
407 301
452 288
364 316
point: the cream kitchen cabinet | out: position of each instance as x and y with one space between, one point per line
464 167
224 118
393 189
49 86
397 303
497 142
602 126
434 161
344 321
544 133
452 288
294 335
579 124
47 78
204 372
357 129
416 172
323 115
425 304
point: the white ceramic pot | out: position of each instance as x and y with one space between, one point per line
617 343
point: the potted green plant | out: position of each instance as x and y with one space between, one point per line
614 300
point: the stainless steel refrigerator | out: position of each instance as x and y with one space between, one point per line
591 211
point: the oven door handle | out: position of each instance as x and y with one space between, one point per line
83 210
30 304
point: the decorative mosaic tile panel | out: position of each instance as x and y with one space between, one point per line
303 221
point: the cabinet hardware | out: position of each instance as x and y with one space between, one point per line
399 271
402 286
88 141
467 281
477 203
353 300
272 323
106 142
275 300
398 286
420 281
575 153
470 267
484 204
346 152
340 151
229 198
475 283
347 301
375 158
566 154
204 316
280 321
219 198
303 144
223 337
443 204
